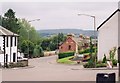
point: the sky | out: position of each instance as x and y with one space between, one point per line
62 15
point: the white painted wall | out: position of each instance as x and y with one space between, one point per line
2 59
108 37
7 49
1 43
119 28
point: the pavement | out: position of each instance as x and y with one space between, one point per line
46 69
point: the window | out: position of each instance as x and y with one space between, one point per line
14 57
15 42
11 41
7 41
69 47
6 58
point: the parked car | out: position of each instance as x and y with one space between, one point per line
21 58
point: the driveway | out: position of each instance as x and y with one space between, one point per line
46 69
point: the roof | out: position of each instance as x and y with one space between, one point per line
109 18
4 31
77 40
1 52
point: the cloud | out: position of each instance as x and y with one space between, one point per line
61 14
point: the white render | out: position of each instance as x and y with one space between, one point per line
9 50
108 37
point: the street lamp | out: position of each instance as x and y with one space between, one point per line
28 32
94 29
34 20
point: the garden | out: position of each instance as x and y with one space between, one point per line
89 59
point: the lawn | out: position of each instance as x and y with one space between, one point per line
66 60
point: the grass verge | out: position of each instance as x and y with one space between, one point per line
66 60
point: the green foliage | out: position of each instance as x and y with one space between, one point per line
52 43
112 53
27 47
38 51
87 50
45 44
10 22
114 62
101 65
28 37
104 59
66 60
90 64
65 54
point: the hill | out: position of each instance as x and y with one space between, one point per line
49 32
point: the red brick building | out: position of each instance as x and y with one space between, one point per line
72 43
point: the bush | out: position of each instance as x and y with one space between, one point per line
67 60
104 59
101 65
90 64
114 62
86 50
86 57
65 54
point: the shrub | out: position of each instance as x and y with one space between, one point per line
114 61
87 50
101 65
86 57
104 59
65 54
90 64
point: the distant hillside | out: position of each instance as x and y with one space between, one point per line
47 33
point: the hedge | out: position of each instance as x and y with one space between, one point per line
86 50
65 54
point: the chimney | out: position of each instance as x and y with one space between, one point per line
81 36
70 35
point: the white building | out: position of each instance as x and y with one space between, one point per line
8 46
108 35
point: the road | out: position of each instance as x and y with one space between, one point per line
46 69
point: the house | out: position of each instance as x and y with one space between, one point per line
108 37
8 46
73 44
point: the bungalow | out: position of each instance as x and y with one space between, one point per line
108 37
8 46
73 43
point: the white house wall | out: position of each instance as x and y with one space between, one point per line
108 37
119 28
7 49
2 59
14 49
1 43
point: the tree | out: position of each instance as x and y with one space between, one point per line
10 22
38 51
27 33
45 44
27 47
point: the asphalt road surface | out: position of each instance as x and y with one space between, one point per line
46 69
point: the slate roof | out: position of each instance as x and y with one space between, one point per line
4 31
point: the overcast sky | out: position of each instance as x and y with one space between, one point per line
56 15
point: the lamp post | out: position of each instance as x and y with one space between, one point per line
28 32
94 29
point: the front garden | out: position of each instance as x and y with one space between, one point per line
89 59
